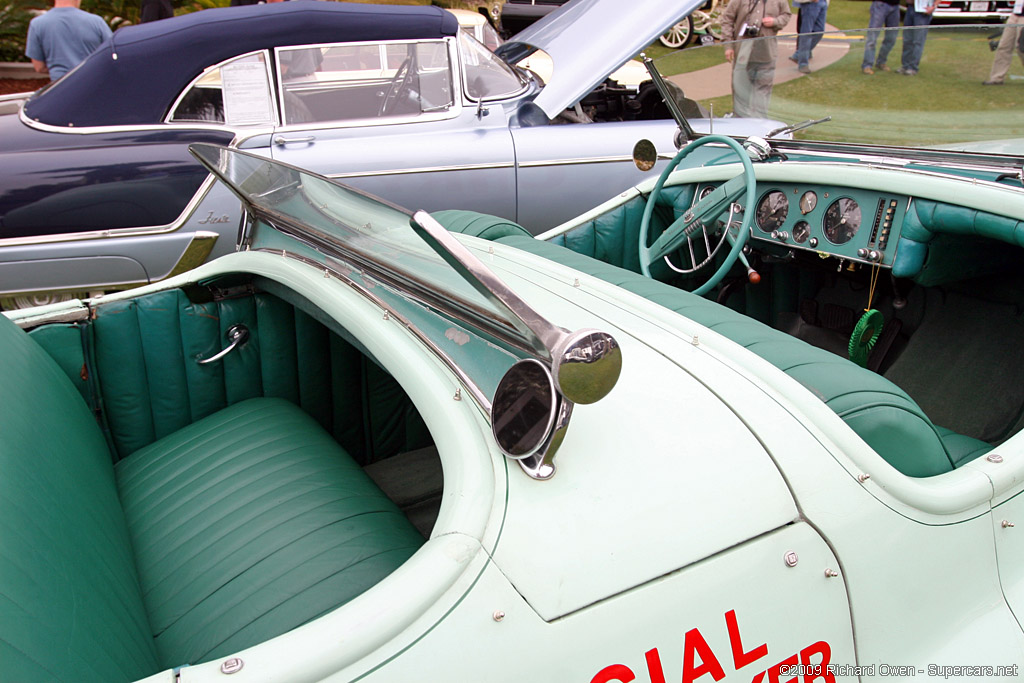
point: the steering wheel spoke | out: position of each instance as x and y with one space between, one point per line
700 218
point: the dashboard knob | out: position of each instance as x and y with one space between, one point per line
780 235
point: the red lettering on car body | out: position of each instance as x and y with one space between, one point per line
615 672
815 670
654 668
695 645
740 658
775 673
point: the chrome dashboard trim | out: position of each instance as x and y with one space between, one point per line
902 156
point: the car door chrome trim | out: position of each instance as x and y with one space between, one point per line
174 226
342 276
425 169
194 254
581 160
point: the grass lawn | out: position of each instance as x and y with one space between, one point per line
945 101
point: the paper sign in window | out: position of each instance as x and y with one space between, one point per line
246 93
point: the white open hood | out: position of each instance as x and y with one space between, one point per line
588 39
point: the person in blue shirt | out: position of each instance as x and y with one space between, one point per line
62 37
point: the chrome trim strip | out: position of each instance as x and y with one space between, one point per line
900 156
323 126
195 254
174 226
577 161
142 127
426 169
471 387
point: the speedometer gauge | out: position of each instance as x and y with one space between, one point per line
842 220
772 211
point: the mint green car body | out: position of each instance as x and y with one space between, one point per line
745 504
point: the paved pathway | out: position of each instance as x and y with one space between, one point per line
715 81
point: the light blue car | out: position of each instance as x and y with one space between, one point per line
97 191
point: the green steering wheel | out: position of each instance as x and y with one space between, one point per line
694 220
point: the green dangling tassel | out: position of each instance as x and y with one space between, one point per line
864 336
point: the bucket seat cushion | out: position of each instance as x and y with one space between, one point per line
249 523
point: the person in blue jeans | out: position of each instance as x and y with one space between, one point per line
884 13
812 23
915 22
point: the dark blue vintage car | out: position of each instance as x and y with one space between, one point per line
98 192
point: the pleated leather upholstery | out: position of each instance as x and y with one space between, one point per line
249 523
70 603
151 385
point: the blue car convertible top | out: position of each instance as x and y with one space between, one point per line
141 69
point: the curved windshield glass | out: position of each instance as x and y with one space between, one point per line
487 77
364 231
906 87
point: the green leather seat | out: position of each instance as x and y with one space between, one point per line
232 530
249 523
875 408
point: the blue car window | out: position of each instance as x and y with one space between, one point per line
487 76
324 84
236 92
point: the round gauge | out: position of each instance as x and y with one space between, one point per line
842 220
705 191
808 201
801 231
772 211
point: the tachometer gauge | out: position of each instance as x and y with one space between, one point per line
808 201
842 220
772 211
801 231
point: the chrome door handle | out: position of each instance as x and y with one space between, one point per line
282 140
237 335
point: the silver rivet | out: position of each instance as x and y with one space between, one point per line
490 250
231 666
863 477
696 341
387 315
994 457
327 274
458 394
791 559
576 282
498 615
1007 524
831 573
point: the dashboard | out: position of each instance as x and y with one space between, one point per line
852 224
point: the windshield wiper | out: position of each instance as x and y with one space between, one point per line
798 126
